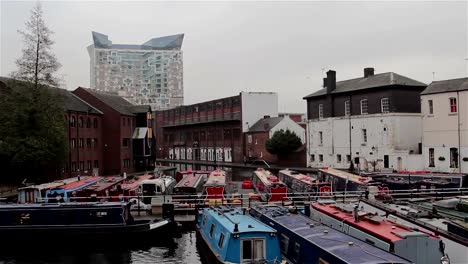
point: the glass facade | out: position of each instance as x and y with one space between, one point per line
150 74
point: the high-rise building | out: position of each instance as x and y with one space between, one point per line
150 73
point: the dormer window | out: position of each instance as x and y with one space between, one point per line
364 107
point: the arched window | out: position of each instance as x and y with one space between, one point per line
72 121
88 123
80 122
95 123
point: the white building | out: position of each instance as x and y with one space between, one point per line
149 74
445 126
373 122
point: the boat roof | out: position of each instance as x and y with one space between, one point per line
332 241
195 172
79 184
54 184
414 173
190 180
216 177
228 217
62 205
309 180
159 181
265 176
104 184
369 223
132 184
346 175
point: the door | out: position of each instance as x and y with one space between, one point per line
400 164
385 162
253 250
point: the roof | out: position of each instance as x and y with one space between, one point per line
230 216
217 177
328 239
71 102
132 184
139 109
361 180
114 101
447 86
189 180
265 124
374 81
173 42
104 184
78 184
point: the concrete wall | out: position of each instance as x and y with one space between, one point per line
443 130
395 135
256 105
288 124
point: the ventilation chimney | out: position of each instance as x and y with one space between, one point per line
368 72
331 81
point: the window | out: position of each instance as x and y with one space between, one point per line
221 240
81 143
81 165
431 107
212 228
364 107
338 158
431 158
348 158
247 249
123 121
320 158
312 158
88 143
320 110
453 158
320 138
73 143
453 105
384 104
364 135
284 243
89 165
95 123
256 142
249 139
88 123
80 122
73 167
126 163
125 142
96 164
72 121
347 108
297 249
95 143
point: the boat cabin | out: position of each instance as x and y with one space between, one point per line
190 184
182 174
37 193
154 187
64 192
303 240
414 245
300 183
233 236
215 185
268 186
343 181
131 186
104 189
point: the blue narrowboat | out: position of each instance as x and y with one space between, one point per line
64 192
233 236
303 240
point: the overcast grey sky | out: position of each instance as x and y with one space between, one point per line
259 46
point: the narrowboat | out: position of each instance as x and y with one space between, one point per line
343 181
155 187
182 174
191 186
404 180
72 222
64 192
37 193
131 186
215 185
268 187
415 245
300 183
303 240
103 189
233 236
458 227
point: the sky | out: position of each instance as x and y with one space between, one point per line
283 47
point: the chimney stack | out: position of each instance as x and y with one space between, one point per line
331 81
324 82
266 116
368 72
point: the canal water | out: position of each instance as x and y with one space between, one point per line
179 249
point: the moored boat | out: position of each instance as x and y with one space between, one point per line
154 187
300 183
415 245
64 192
233 236
37 193
303 240
215 185
268 186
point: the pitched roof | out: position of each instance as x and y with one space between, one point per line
446 86
378 80
138 109
71 102
265 124
116 102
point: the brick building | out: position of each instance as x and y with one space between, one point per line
121 121
212 130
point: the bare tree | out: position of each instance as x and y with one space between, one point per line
37 64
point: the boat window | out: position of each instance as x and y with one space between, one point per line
158 189
259 252
204 220
284 243
246 249
221 240
297 249
212 230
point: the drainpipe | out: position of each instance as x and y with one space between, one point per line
458 130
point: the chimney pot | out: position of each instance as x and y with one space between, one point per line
368 72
